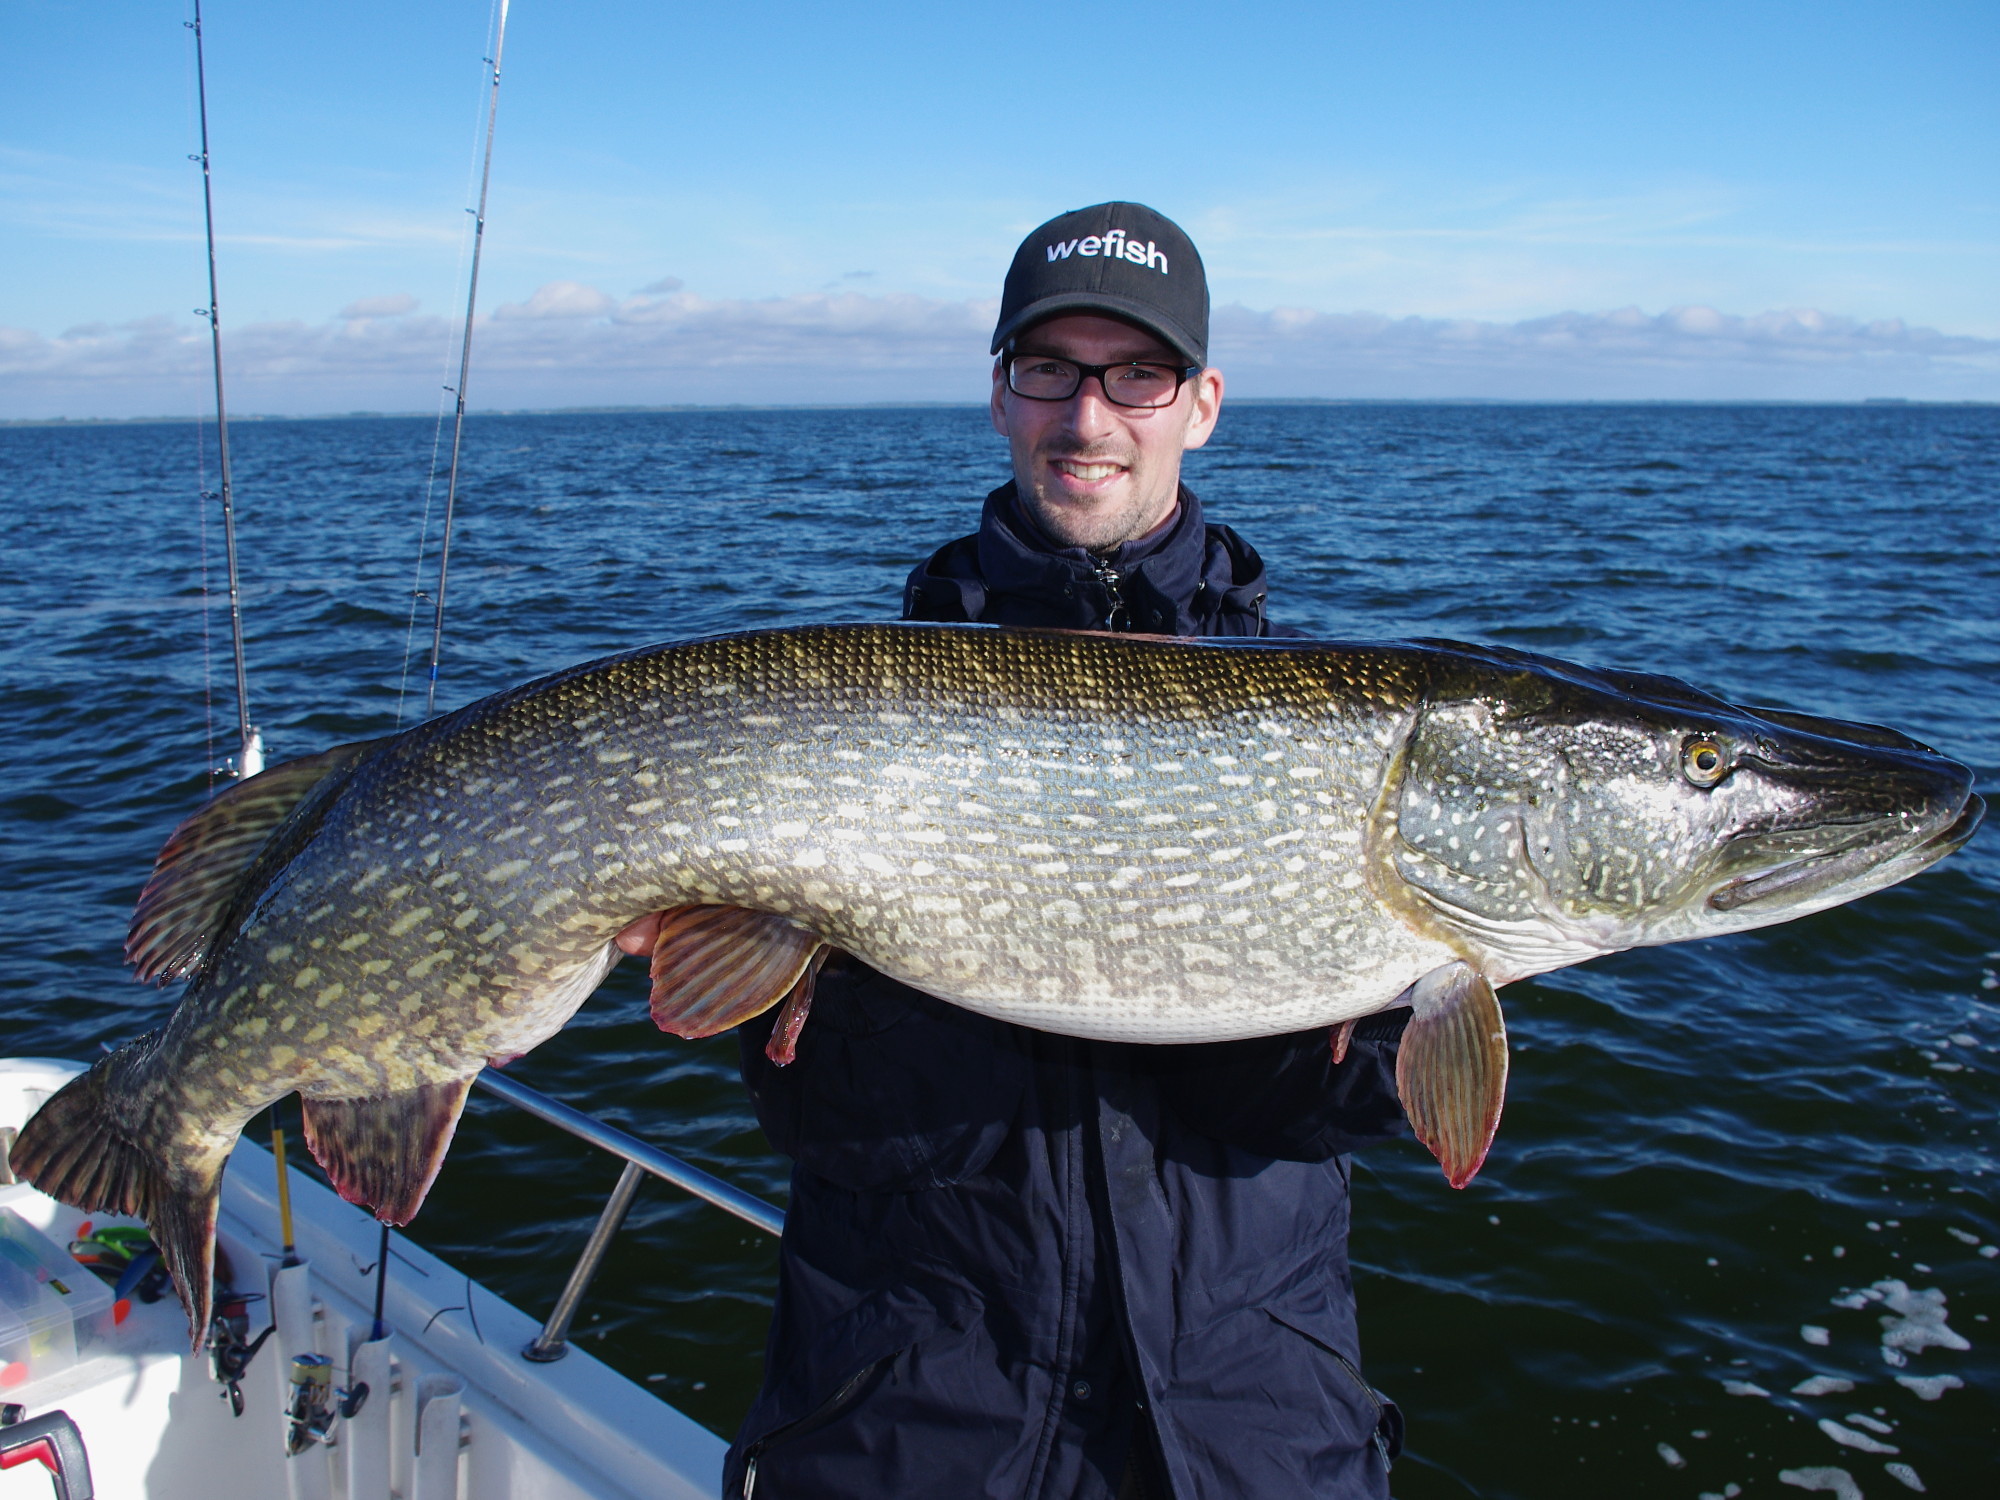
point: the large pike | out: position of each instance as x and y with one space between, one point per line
1128 838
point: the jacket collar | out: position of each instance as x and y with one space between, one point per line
1157 586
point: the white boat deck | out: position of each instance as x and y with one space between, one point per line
157 1426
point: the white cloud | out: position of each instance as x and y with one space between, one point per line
560 299
573 344
394 306
1682 353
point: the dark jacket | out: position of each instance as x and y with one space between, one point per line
1024 1265
1195 579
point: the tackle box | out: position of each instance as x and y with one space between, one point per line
53 1310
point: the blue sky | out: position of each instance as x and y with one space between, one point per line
817 202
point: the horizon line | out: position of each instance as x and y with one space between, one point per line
743 406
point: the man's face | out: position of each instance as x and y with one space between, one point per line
1092 473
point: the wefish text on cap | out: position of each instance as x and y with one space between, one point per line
1113 244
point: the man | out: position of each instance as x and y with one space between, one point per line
1024 1265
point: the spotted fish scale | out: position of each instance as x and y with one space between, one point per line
1127 838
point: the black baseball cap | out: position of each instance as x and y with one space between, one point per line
1124 259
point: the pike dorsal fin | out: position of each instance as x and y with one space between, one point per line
384 1153
715 967
197 874
1451 1069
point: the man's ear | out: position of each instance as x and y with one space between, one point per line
997 407
1207 406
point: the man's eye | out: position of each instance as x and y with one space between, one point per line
1141 375
1048 367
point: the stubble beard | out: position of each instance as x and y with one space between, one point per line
1099 524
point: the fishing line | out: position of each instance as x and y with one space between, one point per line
464 365
493 64
250 751
207 654
201 517
417 594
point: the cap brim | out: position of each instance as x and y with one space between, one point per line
1126 308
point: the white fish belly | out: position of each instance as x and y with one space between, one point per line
1201 987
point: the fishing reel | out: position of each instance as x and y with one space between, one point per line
316 1404
230 1347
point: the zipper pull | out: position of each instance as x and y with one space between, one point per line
1111 579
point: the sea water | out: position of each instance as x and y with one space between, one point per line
1743 1193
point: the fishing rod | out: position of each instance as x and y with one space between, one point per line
465 361
249 742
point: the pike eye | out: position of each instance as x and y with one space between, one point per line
1703 762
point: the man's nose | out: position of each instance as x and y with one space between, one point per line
1090 411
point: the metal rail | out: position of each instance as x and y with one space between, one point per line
552 1342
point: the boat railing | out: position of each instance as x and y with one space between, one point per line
552 1343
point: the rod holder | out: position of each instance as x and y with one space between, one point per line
552 1343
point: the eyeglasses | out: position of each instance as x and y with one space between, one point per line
1043 377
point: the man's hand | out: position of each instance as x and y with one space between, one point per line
642 936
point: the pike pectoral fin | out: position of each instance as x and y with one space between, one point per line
715 967
195 878
385 1153
1451 1069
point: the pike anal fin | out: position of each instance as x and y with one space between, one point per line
1451 1069
715 967
384 1153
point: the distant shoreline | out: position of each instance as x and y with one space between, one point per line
599 411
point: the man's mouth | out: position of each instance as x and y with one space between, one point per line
1088 472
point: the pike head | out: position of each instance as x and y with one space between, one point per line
1546 813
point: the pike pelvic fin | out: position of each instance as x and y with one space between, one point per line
78 1150
1451 1069
715 967
384 1153
783 1047
1343 1038
198 873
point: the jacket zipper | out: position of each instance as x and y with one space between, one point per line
1380 1440
1355 1375
1111 578
818 1417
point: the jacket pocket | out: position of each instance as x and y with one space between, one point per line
824 1367
1386 1432
843 1398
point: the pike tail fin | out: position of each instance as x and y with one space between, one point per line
384 1153
1451 1069
78 1149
